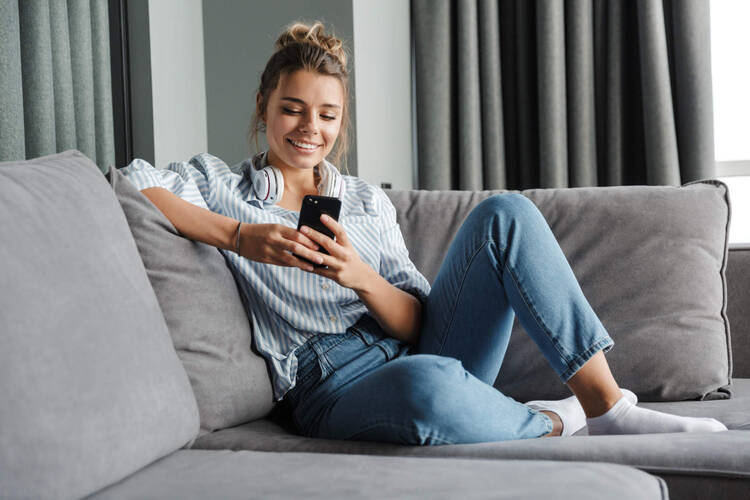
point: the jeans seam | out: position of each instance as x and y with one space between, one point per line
547 420
337 342
560 350
388 423
444 336
576 363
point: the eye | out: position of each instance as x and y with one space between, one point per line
328 117
291 111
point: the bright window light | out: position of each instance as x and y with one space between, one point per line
739 197
730 41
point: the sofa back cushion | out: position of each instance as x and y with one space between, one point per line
204 312
651 261
91 389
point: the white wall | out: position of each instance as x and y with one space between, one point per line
178 80
382 60
167 79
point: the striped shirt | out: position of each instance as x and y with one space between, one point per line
289 305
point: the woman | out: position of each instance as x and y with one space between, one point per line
365 349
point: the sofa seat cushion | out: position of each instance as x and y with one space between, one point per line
91 389
650 260
704 454
695 462
225 474
204 311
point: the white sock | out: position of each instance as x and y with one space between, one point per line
626 418
571 412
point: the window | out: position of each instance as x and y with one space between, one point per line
730 39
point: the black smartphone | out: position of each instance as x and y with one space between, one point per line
309 215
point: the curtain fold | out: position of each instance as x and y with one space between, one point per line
12 144
518 94
38 93
56 77
65 124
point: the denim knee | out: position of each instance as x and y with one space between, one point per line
510 203
427 386
501 212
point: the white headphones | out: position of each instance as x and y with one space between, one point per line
268 181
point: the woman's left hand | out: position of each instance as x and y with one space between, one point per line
344 265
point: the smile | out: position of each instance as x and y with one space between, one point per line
306 146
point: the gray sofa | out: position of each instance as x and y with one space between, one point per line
127 368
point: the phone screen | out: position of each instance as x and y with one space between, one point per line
309 215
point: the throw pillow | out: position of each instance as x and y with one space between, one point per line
206 317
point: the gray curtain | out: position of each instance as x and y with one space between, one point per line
520 94
55 79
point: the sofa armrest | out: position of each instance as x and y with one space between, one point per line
738 307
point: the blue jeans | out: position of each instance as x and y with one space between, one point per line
504 260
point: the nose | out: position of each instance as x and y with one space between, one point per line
309 124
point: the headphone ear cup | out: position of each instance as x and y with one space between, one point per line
268 184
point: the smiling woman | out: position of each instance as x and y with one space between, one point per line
364 348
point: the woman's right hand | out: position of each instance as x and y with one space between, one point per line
274 244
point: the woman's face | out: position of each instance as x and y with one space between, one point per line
303 119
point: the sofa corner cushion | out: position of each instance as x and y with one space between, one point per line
204 311
651 261
91 387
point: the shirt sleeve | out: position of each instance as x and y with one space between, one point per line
395 265
181 178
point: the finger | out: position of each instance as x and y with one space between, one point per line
338 229
294 235
324 241
299 249
304 240
291 261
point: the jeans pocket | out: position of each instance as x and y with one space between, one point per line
389 345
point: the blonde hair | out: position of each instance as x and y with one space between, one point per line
312 49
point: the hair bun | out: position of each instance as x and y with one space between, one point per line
314 35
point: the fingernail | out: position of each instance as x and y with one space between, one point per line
324 217
305 229
319 260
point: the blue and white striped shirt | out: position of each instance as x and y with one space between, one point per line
289 305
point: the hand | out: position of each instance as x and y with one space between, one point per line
344 265
274 244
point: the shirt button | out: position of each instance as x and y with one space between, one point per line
332 318
325 286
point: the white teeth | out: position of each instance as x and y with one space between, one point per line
303 145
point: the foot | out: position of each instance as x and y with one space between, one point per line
570 411
626 418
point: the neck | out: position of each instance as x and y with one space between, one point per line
297 181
